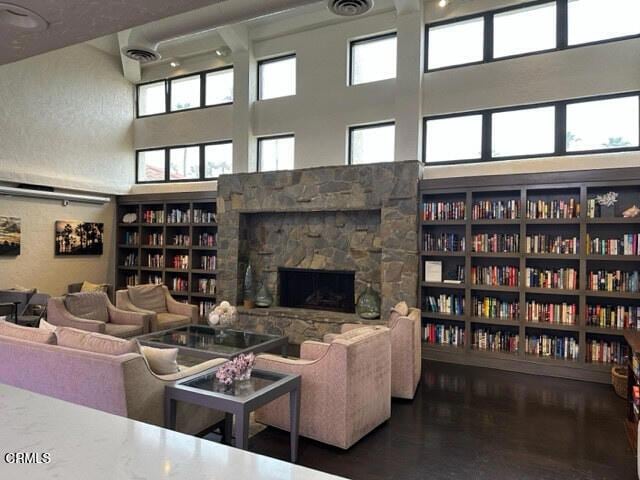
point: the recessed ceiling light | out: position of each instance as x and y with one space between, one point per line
175 64
20 17
223 51
443 3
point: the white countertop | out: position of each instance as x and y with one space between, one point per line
89 444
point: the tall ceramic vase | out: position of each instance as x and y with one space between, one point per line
249 292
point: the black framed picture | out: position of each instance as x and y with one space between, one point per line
9 236
79 238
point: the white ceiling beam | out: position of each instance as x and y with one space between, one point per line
236 37
407 6
130 68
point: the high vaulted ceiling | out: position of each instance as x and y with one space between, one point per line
76 21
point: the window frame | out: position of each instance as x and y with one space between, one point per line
203 158
560 149
271 137
363 126
368 39
562 33
268 60
167 92
167 162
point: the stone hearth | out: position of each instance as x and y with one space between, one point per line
360 218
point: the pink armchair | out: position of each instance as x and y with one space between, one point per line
346 387
94 312
406 349
156 301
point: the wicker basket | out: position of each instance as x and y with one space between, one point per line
619 380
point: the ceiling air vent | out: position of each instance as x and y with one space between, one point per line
142 55
350 8
21 17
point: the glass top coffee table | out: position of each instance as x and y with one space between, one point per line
206 342
238 400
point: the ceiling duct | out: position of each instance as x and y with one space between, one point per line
144 42
350 8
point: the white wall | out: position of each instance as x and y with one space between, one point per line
324 106
66 121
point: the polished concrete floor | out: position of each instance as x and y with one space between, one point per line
477 423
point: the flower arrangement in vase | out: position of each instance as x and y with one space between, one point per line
236 370
222 315
606 201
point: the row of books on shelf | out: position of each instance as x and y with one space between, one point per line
153 216
613 281
552 244
207 240
444 242
155 279
561 278
433 273
495 341
491 307
559 347
449 304
130 260
180 240
438 334
178 284
495 243
629 244
443 210
495 275
554 313
154 239
207 285
496 210
605 351
553 209
614 316
180 262
155 260
177 215
204 307
131 238
208 262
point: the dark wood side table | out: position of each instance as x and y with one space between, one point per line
633 339
238 401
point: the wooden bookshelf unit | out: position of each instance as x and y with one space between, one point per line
495 215
172 242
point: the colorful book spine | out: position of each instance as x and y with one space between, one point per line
490 307
445 242
153 216
552 346
179 216
449 304
629 244
495 340
496 275
613 281
606 351
496 210
438 334
614 316
563 278
550 209
155 260
558 313
496 243
181 262
443 211
179 284
552 244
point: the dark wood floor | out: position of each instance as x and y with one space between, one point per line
476 423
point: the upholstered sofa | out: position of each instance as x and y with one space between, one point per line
155 300
94 312
346 387
406 349
119 384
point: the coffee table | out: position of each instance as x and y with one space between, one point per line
204 342
238 400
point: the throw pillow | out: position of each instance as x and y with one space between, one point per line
93 287
148 297
44 325
27 333
401 308
89 305
162 361
94 342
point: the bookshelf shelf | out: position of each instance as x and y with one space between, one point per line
167 227
560 194
443 347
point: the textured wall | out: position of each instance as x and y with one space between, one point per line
37 266
66 120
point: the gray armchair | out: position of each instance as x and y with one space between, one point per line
94 312
77 287
155 300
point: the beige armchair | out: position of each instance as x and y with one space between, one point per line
345 391
155 300
406 349
94 312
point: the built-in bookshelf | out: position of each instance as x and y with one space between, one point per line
527 273
172 241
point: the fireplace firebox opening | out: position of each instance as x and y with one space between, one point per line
317 289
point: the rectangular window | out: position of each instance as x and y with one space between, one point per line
277 77
151 166
184 163
596 20
219 87
185 93
372 143
529 131
276 153
373 59
453 138
218 159
457 43
524 30
152 99
603 124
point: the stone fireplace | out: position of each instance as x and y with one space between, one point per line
300 229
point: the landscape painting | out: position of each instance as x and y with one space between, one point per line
79 238
9 236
